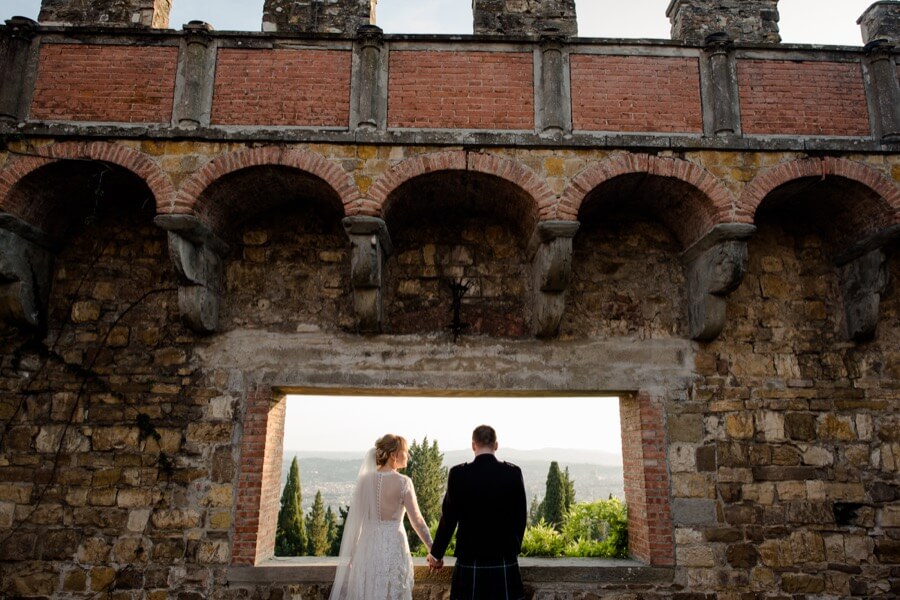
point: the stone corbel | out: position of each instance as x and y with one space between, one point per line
370 246
716 265
864 276
197 254
26 264
550 252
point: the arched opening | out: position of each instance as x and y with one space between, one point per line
464 227
284 229
628 276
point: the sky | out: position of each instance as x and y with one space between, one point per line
353 423
829 22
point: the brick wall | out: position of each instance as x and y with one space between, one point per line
461 90
128 84
636 93
802 98
282 87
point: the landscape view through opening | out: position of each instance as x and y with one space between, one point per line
330 434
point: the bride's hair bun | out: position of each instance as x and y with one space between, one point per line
387 445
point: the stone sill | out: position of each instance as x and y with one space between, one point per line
534 570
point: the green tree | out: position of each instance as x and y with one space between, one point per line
317 528
331 529
339 531
290 532
569 485
429 477
553 508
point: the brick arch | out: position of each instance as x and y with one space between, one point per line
771 179
190 194
507 169
716 201
136 162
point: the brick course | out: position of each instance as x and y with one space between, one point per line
282 87
128 84
636 93
802 98
461 90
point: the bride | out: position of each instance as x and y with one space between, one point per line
374 561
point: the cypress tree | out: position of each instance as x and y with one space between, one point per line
534 512
331 529
569 484
317 529
290 533
339 531
429 477
553 508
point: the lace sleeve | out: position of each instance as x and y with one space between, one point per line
415 516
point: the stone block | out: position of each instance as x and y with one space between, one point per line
889 516
93 551
800 426
102 578
104 439
691 512
742 556
218 496
695 556
75 580
706 459
739 426
175 519
137 520
682 458
130 550
214 552
837 428
135 498
801 583
817 456
776 554
685 428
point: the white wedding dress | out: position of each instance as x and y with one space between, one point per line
375 561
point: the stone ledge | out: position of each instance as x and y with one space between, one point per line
534 570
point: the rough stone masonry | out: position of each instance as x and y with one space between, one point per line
194 223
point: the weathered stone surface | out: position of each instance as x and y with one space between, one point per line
325 16
121 13
752 21
524 17
881 21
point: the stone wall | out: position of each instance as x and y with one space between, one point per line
119 13
524 17
750 21
323 16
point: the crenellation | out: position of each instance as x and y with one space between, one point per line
881 21
524 17
319 16
114 13
744 21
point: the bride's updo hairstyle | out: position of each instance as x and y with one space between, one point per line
387 445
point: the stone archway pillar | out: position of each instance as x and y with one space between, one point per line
370 246
26 272
716 265
550 251
198 256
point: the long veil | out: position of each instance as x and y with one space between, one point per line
362 511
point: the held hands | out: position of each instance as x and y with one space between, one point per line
434 564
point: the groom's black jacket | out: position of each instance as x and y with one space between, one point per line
486 500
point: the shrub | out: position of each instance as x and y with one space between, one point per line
542 540
597 529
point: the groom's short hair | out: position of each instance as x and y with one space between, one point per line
484 435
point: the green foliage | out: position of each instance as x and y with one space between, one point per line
569 488
317 529
553 508
429 477
534 511
589 529
339 531
542 540
290 532
331 528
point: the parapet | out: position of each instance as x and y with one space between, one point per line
317 16
116 13
524 17
881 21
747 21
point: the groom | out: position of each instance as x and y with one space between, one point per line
486 500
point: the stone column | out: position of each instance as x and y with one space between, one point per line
716 265
115 13
319 16
26 265
370 246
553 103
881 21
368 105
195 78
721 104
550 251
15 46
524 17
745 21
198 256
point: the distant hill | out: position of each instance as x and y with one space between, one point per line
597 474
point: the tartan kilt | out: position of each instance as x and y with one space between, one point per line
486 580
